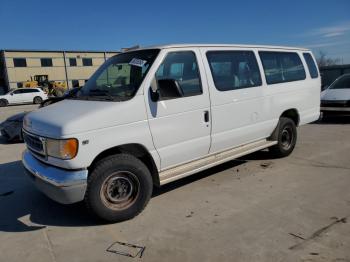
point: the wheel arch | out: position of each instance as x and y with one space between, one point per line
136 150
292 114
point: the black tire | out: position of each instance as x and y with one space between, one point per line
3 102
119 188
37 100
286 138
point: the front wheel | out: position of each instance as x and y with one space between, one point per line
119 188
286 138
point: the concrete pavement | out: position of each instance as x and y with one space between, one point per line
252 209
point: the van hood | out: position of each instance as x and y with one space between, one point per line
336 94
69 117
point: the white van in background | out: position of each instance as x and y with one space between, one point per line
154 115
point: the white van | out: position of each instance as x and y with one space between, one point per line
153 115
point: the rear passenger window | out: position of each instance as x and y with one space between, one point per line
31 91
311 65
234 69
182 66
282 67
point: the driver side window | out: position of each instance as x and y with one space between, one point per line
182 67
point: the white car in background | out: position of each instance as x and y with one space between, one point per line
336 98
23 96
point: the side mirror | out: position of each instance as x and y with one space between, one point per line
169 89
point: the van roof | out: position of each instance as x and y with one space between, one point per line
221 45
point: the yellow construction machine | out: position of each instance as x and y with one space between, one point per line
55 88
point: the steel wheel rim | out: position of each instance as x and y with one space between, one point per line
287 137
120 190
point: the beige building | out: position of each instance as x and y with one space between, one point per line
72 67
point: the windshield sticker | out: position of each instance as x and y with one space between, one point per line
137 62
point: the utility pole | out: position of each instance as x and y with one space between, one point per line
65 68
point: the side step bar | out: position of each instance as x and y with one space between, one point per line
180 171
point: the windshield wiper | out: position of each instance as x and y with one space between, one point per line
100 92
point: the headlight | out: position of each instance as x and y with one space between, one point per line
63 149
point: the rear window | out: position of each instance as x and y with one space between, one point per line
311 65
280 67
234 69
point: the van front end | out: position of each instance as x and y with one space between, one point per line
63 186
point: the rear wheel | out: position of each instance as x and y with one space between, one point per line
37 100
286 138
119 188
3 102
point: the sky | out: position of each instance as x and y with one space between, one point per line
111 25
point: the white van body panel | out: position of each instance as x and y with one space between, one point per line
238 116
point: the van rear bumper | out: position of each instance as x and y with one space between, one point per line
63 186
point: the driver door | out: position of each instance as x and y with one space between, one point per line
180 126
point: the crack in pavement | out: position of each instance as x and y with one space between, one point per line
317 233
49 244
314 163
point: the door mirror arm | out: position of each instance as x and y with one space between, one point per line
154 95
154 91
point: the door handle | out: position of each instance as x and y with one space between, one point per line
206 116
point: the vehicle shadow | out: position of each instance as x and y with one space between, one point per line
23 208
3 141
333 120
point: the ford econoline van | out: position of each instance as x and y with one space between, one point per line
151 116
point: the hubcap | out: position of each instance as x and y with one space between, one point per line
287 137
120 190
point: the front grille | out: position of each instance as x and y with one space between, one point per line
335 103
34 143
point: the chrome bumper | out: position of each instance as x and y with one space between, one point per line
337 109
61 185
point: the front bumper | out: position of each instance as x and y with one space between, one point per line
61 185
335 109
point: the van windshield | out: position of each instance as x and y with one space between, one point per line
119 78
341 83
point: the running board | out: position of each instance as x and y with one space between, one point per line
180 171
